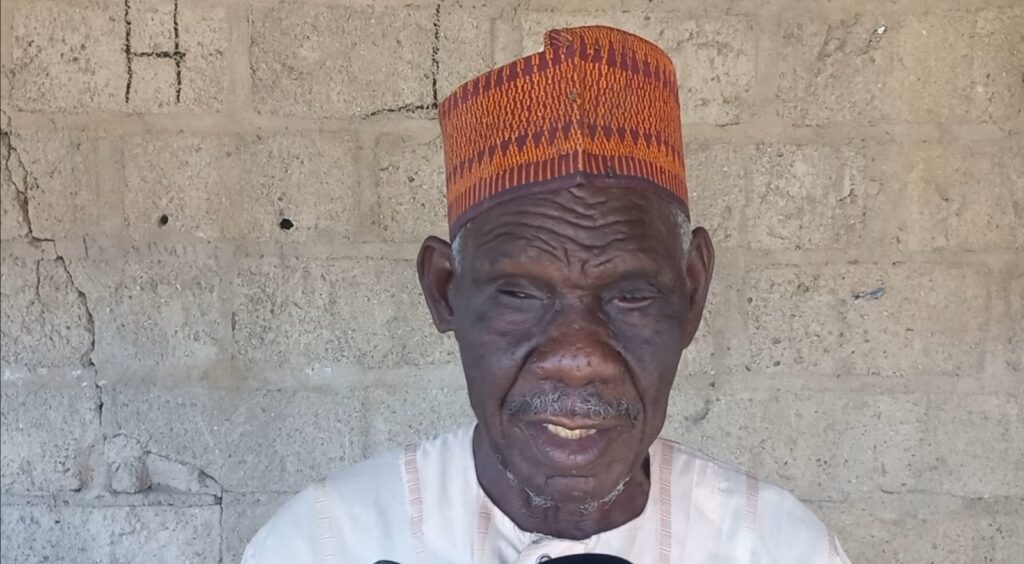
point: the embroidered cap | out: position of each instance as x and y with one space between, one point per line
597 106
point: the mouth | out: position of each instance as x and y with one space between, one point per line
566 433
571 445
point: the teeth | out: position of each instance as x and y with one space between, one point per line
574 434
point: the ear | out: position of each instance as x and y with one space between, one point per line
436 267
700 265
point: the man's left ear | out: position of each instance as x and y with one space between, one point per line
700 265
436 267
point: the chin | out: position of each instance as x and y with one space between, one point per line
559 478
582 490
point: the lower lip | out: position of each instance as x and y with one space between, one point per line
569 453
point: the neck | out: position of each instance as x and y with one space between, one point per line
536 512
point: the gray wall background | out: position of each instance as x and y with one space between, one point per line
859 164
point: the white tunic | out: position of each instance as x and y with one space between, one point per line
423 504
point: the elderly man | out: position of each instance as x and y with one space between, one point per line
572 285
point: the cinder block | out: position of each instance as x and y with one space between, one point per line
465 44
964 198
155 312
154 84
243 515
932 319
45 322
1015 336
341 61
785 196
243 187
795 319
68 57
252 441
405 414
365 311
819 445
928 528
13 223
830 445
809 196
204 33
884 70
970 446
411 185
47 439
903 319
58 171
179 55
715 57
152 25
35 533
718 177
714 338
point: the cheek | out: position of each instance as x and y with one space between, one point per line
492 355
652 346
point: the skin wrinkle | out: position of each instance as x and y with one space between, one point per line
569 315
683 226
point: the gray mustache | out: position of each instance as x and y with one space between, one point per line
586 403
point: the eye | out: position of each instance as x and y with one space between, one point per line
516 294
633 300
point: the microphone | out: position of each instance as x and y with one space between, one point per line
572 559
588 559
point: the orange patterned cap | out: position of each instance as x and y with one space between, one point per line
597 106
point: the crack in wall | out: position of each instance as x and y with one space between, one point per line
19 181
435 49
128 49
23 182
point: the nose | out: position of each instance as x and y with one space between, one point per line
578 353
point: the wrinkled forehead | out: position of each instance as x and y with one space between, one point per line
581 227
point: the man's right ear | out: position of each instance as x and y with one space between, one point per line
436 267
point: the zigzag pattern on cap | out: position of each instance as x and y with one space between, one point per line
596 102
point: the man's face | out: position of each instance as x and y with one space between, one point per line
571 309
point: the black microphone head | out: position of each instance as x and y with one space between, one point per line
588 559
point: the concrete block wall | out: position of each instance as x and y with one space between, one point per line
210 212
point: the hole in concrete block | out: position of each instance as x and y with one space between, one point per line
163 220
286 224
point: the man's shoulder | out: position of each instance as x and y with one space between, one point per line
371 492
291 534
777 524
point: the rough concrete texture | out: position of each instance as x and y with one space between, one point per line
715 56
341 60
153 312
872 70
891 319
929 528
328 310
210 213
243 515
114 56
59 533
48 437
244 441
45 321
53 170
242 187
409 170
